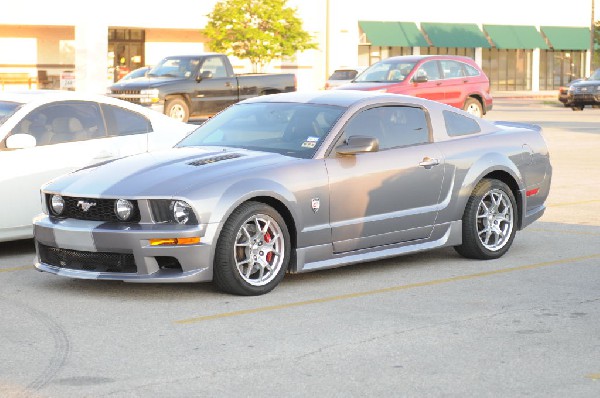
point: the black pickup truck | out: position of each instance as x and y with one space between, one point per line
198 85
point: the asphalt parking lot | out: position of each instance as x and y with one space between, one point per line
425 325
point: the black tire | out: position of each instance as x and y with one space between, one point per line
177 109
250 261
577 107
473 107
489 222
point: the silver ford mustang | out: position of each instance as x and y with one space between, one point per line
294 183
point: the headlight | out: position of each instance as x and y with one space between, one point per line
181 211
123 209
149 96
57 205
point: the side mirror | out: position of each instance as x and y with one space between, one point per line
358 144
420 78
205 75
20 141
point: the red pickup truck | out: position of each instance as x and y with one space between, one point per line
451 79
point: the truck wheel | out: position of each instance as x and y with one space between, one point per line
577 107
177 109
489 222
473 107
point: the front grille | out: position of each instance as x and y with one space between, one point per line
584 97
87 261
97 209
127 95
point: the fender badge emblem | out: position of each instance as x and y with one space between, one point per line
315 204
85 206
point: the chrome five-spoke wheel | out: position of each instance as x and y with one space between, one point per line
253 250
489 222
494 220
258 251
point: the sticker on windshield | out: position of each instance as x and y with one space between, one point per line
312 139
309 144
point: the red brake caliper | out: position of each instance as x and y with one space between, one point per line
269 254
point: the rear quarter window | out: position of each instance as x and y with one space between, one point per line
459 125
471 71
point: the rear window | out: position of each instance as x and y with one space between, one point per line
343 74
457 125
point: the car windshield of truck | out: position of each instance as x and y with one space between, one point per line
290 129
175 67
386 72
7 109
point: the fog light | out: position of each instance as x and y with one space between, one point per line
123 209
57 205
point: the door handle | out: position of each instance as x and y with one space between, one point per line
429 162
227 84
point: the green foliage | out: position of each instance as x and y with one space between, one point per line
258 30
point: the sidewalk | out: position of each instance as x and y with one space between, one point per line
546 94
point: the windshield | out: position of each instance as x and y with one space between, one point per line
175 67
290 129
7 109
386 72
596 75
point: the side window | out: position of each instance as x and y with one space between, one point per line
457 125
393 126
471 71
452 69
215 65
67 121
121 121
430 69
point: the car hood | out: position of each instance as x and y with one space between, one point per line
587 83
167 173
142 83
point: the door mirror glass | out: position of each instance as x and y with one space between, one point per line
20 141
420 77
205 75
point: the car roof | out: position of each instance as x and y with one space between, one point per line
416 58
342 98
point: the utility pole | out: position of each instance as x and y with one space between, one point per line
592 34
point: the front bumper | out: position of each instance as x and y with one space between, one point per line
584 99
70 240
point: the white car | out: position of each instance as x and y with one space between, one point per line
44 134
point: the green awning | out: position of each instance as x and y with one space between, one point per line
515 37
567 38
462 35
393 34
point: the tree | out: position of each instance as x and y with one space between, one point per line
257 30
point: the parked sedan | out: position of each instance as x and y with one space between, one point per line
44 134
342 76
295 183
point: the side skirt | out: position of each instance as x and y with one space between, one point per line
321 257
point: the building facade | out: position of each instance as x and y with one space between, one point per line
529 45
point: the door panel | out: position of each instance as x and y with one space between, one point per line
383 197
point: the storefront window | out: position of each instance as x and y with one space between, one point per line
557 68
508 70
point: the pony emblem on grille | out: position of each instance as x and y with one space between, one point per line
85 206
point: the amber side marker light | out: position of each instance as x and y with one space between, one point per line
175 241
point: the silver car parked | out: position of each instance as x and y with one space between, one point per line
294 183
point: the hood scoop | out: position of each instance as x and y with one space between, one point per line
214 159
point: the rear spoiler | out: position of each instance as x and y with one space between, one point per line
517 125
